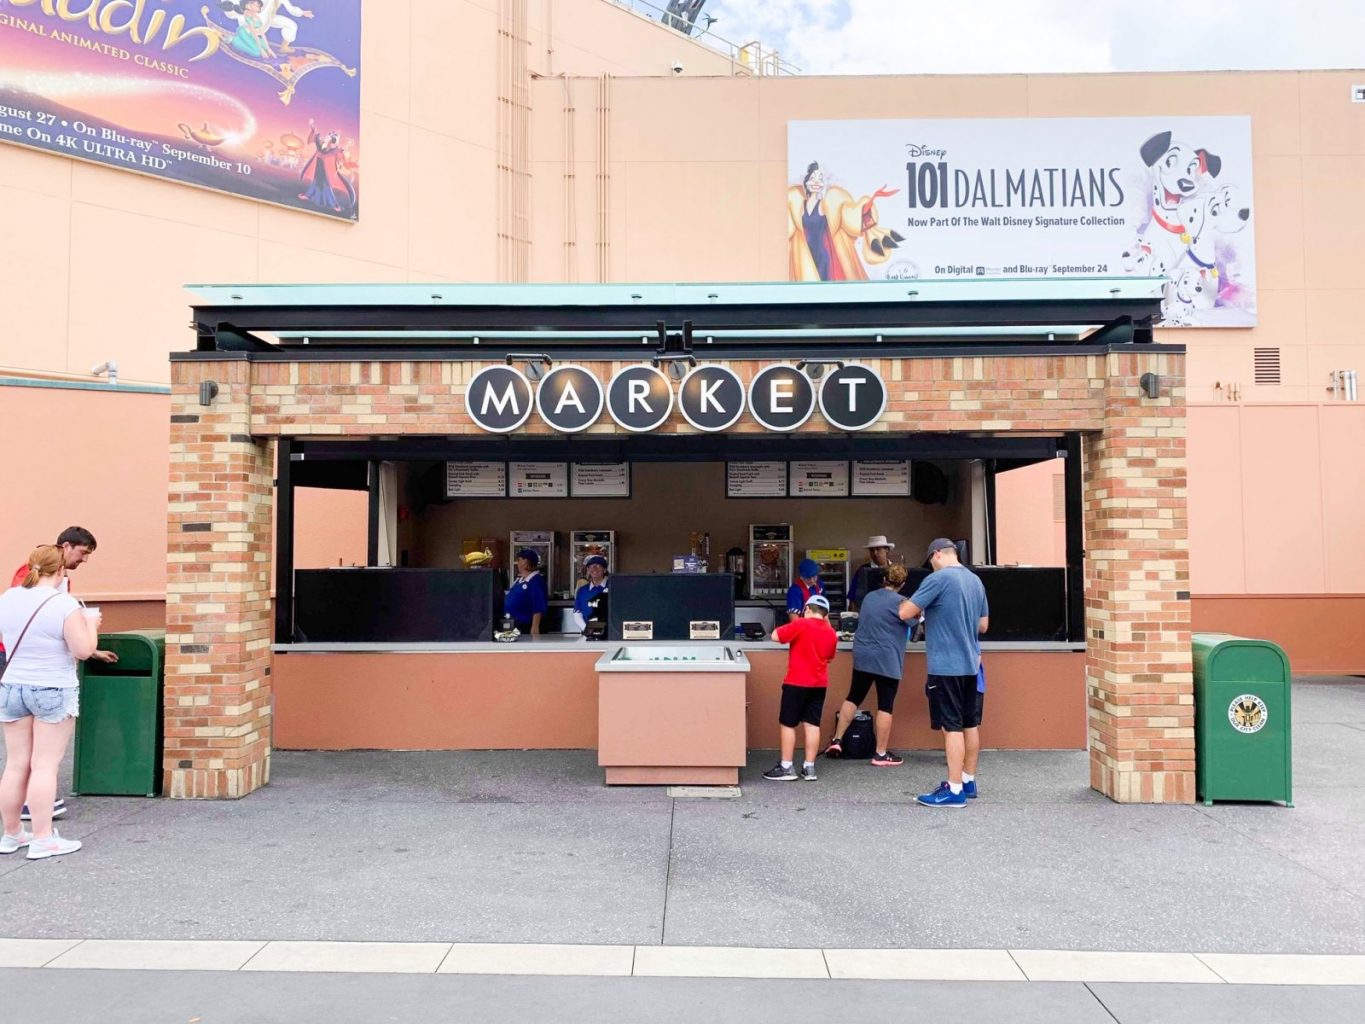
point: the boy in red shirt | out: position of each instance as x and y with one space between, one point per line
813 642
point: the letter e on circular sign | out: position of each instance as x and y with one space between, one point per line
498 399
639 398
781 397
853 397
569 399
711 397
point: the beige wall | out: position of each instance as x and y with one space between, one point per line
655 523
1030 515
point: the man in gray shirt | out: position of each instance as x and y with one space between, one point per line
953 603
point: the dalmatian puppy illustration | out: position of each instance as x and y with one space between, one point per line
1141 260
1189 293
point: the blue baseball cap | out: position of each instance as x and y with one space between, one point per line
594 560
818 600
808 568
530 554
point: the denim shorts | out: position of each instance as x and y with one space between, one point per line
50 704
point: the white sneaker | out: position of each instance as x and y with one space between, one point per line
53 846
12 844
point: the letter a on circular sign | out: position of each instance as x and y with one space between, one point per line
498 399
853 397
781 397
569 399
711 397
639 398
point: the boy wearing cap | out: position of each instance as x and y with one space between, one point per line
807 583
527 600
955 601
813 642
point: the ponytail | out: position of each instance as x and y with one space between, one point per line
46 560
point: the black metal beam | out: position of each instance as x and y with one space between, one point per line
372 518
1075 538
683 447
284 541
990 512
833 314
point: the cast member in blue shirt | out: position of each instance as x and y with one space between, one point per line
953 602
595 568
527 600
807 583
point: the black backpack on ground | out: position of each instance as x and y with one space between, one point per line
859 741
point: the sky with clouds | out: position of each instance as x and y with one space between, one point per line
869 37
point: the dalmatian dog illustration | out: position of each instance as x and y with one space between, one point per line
1206 217
1179 171
1141 260
1189 293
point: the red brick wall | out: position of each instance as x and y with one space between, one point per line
218 611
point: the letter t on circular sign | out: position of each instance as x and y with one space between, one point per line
853 397
639 398
498 399
781 397
569 399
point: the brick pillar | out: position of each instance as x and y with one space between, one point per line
1138 682
218 620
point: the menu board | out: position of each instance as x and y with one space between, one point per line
599 479
887 478
538 479
755 479
476 479
819 479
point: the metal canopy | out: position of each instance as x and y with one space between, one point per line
300 322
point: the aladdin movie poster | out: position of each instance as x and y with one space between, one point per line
1166 197
259 98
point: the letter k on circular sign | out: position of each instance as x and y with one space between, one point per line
569 399
498 399
781 397
711 397
852 397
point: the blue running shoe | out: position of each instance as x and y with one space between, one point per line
943 797
968 788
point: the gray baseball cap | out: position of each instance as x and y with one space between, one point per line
939 544
819 600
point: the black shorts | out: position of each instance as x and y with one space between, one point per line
801 704
954 704
864 681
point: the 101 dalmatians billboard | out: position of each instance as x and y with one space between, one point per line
259 98
1031 197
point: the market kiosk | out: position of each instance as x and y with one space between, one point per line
668 422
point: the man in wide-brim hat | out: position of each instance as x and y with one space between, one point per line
878 557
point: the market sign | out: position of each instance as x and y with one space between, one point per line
711 397
257 98
1053 197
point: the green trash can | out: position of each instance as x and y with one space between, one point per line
1241 719
119 735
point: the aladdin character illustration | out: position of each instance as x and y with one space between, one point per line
325 185
824 226
248 44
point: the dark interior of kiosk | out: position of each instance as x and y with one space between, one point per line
676 519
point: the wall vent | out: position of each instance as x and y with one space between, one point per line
1267 365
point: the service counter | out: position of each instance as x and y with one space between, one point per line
542 693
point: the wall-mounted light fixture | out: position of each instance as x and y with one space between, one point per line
208 391
536 363
815 368
1150 384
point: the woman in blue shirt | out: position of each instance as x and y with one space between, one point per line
527 600
595 567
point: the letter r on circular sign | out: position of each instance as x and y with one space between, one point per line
639 398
